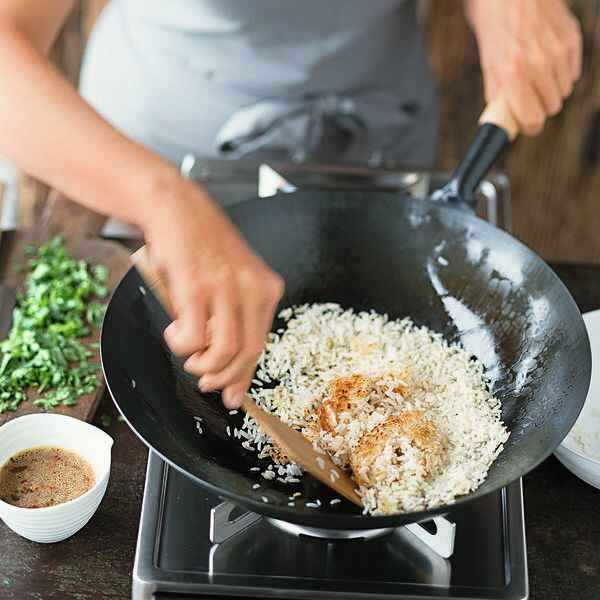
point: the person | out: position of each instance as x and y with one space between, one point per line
225 78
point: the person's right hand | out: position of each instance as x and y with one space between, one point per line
224 296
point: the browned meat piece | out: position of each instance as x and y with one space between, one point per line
357 394
408 427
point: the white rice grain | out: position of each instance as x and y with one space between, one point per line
322 342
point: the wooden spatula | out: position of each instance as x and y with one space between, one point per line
291 442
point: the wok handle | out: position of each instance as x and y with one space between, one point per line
497 128
497 113
141 261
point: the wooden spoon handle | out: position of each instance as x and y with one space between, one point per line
498 113
153 280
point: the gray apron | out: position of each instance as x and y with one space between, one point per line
343 81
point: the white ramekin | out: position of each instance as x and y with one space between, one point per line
56 523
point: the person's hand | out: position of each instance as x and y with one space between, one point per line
224 296
530 53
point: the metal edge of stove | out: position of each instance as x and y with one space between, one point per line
144 572
516 544
149 580
493 192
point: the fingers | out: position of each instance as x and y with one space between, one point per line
565 43
233 395
188 333
562 73
230 366
258 311
257 323
490 85
221 294
533 59
546 80
526 107
223 325
227 336
574 49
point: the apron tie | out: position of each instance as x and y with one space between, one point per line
359 126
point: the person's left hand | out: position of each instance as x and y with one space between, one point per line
530 53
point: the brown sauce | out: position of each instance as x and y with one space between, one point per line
44 476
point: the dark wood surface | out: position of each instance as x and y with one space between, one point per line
80 228
94 251
96 562
562 522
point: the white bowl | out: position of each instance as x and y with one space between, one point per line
56 523
580 450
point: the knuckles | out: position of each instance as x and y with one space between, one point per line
575 34
533 126
277 286
555 106
227 349
257 285
223 277
516 64
251 353
266 286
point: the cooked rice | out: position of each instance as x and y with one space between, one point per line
384 372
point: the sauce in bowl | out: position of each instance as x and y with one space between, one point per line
44 476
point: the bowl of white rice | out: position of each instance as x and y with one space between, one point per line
580 450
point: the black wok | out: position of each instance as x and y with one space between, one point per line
434 261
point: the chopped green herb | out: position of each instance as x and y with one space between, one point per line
106 420
44 348
120 418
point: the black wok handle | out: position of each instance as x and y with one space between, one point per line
497 128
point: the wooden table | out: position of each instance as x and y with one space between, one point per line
562 519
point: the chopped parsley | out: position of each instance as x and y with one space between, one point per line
45 349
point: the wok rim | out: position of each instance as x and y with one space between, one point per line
360 521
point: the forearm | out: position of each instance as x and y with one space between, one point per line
53 134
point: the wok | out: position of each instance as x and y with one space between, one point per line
432 260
